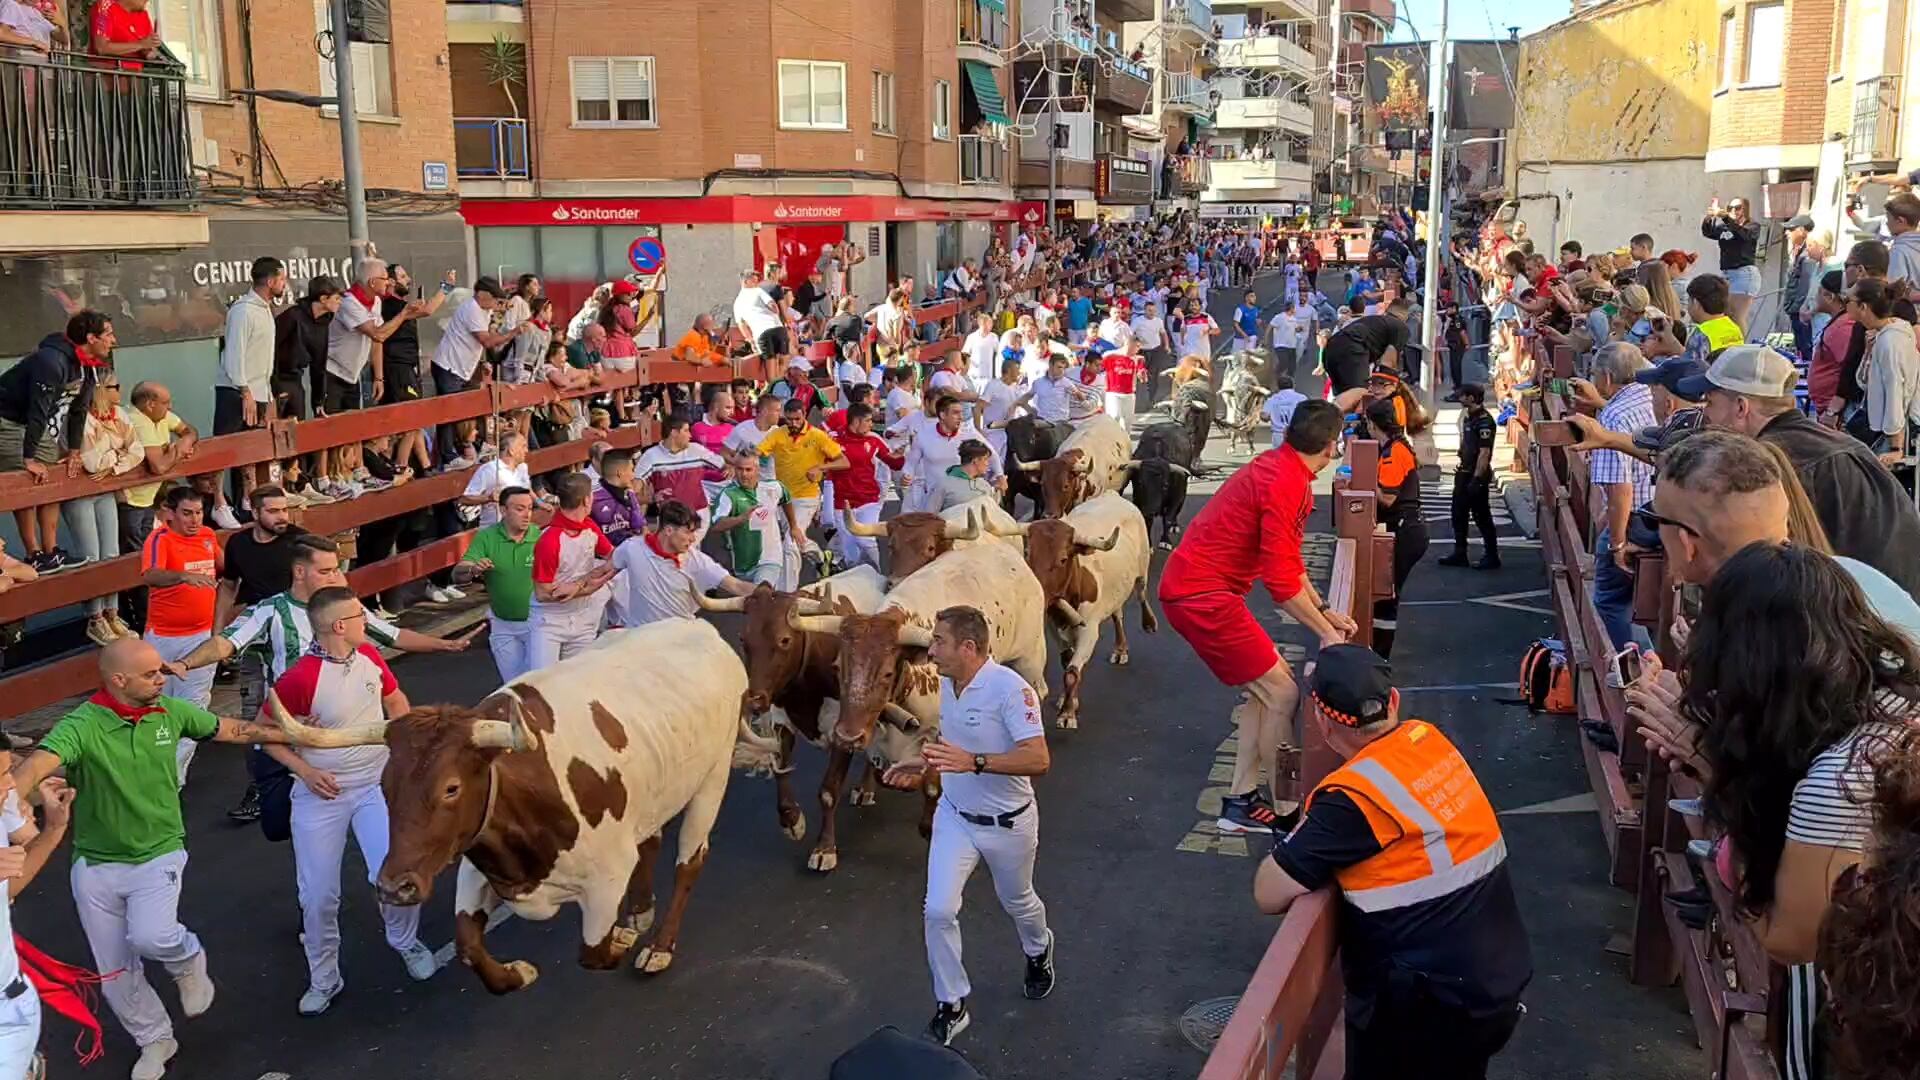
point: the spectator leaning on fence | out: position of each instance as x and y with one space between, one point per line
27 26
1625 406
108 449
167 441
300 347
39 426
354 337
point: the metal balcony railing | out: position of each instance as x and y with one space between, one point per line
983 23
1876 120
1190 173
491 148
1196 13
92 132
983 160
1185 90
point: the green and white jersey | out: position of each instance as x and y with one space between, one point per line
279 623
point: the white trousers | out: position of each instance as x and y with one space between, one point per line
19 1034
957 847
319 829
1120 407
559 633
512 645
859 549
804 511
131 914
197 687
923 495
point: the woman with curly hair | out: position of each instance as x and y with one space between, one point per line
1792 691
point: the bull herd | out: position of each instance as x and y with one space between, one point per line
557 786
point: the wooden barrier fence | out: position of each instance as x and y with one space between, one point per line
1292 1012
1735 994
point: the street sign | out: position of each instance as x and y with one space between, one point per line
648 255
1247 210
433 176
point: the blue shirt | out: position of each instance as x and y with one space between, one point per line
1361 286
1079 312
1247 319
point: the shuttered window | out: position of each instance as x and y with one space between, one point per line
614 91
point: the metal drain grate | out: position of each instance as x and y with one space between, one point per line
1203 1021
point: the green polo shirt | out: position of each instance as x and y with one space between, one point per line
126 804
510 582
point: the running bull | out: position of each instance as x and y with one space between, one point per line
557 786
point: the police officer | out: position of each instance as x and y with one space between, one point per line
990 747
1473 481
1431 943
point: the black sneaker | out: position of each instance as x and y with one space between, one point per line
1040 972
1246 814
248 808
46 562
1458 558
1488 562
948 1022
68 560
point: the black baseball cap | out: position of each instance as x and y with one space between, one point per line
1352 685
1670 371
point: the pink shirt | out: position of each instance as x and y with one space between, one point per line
711 436
1823 374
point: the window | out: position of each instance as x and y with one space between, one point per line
613 92
1726 50
1837 52
883 102
813 94
942 109
1766 37
191 30
372 71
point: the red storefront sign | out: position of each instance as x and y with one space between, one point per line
731 209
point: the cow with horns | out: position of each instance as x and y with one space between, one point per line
1158 475
1092 460
1030 440
557 786
793 674
916 539
1089 564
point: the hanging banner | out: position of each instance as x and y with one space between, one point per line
1482 87
1397 84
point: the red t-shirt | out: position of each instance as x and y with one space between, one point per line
111 22
1251 529
856 485
1121 370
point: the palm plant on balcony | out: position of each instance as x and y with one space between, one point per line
507 68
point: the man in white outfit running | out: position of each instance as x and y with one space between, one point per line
340 683
991 744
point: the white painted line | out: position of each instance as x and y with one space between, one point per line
1582 803
1445 687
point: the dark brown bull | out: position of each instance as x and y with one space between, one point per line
914 540
1064 482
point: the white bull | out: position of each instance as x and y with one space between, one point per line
1096 458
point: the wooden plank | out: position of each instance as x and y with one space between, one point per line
1653 961
18 491
1268 1022
390 573
1697 979
56 680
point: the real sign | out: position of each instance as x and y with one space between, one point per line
1248 210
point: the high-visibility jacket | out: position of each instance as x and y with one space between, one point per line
1437 831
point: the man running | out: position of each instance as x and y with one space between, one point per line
1252 528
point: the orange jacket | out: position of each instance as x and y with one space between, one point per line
695 348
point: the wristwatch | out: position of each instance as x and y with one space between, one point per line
979 763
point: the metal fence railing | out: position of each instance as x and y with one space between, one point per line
91 132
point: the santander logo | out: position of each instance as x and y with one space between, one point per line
560 214
784 211
563 212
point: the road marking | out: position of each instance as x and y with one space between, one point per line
1582 803
1444 687
444 954
1205 837
1510 601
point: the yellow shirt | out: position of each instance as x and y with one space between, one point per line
152 433
792 457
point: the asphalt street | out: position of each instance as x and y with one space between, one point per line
780 969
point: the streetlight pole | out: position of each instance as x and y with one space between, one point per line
1430 303
350 168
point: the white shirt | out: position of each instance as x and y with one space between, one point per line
1115 331
934 452
949 382
889 322
490 479
1286 330
658 587
899 401
347 349
1051 398
755 308
996 712
246 360
999 398
1195 333
459 350
11 819
748 435
1279 412
982 348
1149 331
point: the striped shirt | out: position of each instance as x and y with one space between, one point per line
279 623
1832 804
1630 410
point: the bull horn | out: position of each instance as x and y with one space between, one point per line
899 716
324 738
813 605
734 604
1179 468
814 624
509 734
997 425
915 637
1130 466
1102 545
1019 528
1029 466
878 528
1081 467
969 531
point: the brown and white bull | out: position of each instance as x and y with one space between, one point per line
1089 564
555 789
918 538
793 675
883 655
1094 459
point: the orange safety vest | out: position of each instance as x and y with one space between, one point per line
1437 831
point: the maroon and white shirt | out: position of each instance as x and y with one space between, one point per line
566 550
337 693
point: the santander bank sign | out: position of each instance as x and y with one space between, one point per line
566 214
733 209
808 212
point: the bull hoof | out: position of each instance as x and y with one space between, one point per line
652 961
527 972
823 859
1068 721
863 797
1165 545
1118 658
797 830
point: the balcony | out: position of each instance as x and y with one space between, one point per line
1289 180
1186 92
1190 174
1127 89
1875 138
1122 179
1190 16
1264 112
80 134
490 148
983 31
1068 175
478 22
1265 51
983 161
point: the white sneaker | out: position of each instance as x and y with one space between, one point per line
223 517
438 595
421 963
454 592
316 1001
196 988
153 1060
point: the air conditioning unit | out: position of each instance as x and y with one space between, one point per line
1778 202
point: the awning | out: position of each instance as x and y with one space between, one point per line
997 5
987 92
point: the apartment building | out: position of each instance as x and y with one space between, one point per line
731 135
1263 153
150 202
1077 79
1360 170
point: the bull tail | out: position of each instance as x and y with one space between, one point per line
752 751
